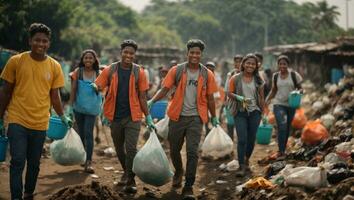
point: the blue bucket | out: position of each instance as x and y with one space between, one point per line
3 147
264 134
57 129
336 75
4 57
158 109
294 99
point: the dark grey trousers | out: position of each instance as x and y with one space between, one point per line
191 129
125 135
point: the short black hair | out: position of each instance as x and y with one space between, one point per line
211 64
259 56
129 43
195 43
238 56
39 28
283 57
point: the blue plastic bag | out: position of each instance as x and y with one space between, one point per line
87 100
151 164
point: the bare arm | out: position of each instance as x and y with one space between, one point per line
160 94
271 95
211 105
56 101
143 104
73 92
261 95
5 96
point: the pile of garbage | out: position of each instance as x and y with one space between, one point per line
334 105
320 153
94 191
343 191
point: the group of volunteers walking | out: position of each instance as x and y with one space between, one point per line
31 87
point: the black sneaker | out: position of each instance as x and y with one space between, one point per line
28 196
177 180
187 193
241 171
248 168
88 167
130 187
123 180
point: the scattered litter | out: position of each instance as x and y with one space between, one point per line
94 176
259 183
108 168
232 166
109 152
221 182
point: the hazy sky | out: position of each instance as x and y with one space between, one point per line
139 5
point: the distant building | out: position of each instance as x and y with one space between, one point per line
318 61
153 56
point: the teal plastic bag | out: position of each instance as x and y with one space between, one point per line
69 150
87 100
229 118
151 163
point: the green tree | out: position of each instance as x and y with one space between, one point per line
18 15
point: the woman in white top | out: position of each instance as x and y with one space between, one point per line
284 82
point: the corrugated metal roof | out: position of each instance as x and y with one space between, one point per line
342 53
312 46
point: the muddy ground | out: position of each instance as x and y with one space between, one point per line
70 182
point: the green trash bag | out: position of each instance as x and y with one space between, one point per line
69 150
151 164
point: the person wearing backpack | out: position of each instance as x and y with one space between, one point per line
229 118
188 111
86 73
32 81
246 91
284 82
211 66
124 106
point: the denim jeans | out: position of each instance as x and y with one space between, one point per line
231 130
284 116
246 128
125 135
85 124
25 145
189 127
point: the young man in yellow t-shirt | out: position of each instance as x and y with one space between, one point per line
31 85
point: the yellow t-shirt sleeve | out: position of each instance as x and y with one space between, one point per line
58 79
9 72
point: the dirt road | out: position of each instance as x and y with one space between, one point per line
54 177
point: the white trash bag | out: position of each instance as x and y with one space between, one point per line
162 127
69 150
151 163
310 177
217 144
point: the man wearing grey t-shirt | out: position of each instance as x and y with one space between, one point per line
194 96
